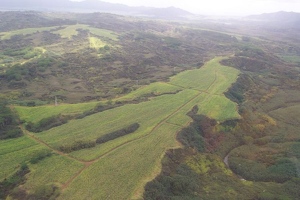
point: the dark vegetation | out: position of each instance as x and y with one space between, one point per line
100 108
8 184
78 145
8 123
40 156
236 92
119 133
147 54
257 146
57 120
47 123
194 135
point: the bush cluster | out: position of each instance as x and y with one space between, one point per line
119 133
8 123
99 108
47 123
40 156
78 145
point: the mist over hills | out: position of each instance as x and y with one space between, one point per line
94 6
282 19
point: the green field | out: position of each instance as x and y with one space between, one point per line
35 114
154 89
148 114
72 30
123 173
27 31
96 43
124 165
56 169
103 33
20 149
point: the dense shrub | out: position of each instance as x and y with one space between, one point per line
181 185
8 123
40 156
47 123
8 184
237 90
99 108
119 133
78 145
193 135
282 171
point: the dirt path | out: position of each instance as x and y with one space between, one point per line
33 137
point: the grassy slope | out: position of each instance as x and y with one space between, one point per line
55 169
123 173
70 31
146 152
136 159
213 79
96 43
148 114
157 88
20 149
35 114
27 31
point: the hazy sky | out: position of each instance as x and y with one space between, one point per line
219 7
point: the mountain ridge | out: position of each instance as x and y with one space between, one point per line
277 16
94 6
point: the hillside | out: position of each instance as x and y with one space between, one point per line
285 20
104 106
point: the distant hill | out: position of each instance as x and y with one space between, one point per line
93 6
283 19
277 16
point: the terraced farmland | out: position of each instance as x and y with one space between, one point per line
119 168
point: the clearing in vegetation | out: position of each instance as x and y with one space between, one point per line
72 30
123 166
35 114
96 43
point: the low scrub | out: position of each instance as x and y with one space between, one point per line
8 123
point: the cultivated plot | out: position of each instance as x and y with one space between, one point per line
119 168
